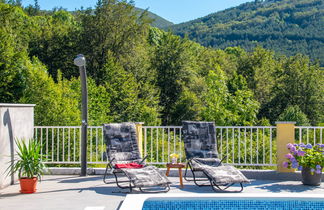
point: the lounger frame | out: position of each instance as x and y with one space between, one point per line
119 172
207 180
215 187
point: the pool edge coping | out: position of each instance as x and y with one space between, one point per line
132 199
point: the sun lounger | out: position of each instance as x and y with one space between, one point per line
201 153
125 161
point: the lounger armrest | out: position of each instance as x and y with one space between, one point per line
143 159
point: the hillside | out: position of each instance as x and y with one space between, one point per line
286 26
158 21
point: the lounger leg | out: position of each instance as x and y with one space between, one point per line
166 189
106 171
130 187
185 175
105 175
216 188
192 172
201 179
117 182
194 176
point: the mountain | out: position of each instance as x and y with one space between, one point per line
285 26
158 21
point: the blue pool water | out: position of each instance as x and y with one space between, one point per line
232 204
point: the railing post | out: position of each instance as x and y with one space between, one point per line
285 135
139 134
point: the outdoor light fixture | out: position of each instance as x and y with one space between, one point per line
81 63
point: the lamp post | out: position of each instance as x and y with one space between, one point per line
81 63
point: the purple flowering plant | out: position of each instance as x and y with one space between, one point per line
305 156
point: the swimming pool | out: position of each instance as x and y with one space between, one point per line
224 201
231 203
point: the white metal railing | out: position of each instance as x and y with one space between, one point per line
247 145
161 141
239 145
309 135
61 144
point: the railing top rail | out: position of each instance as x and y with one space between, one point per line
95 126
57 126
245 126
312 127
66 126
171 126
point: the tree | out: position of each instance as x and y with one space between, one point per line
215 98
17 24
116 28
36 5
242 101
225 108
60 103
33 10
98 101
15 2
56 42
57 103
259 69
174 64
126 104
12 68
300 83
188 107
294 114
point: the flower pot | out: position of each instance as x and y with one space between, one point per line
309 179
174 160
28 185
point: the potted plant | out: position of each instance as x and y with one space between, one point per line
307 158
28 165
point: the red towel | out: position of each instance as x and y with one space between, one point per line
129 165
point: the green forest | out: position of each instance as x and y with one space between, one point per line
288 27
140 73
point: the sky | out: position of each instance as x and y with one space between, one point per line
176 11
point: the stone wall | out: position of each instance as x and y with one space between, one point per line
16 122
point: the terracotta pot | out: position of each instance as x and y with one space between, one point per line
309 179
28 185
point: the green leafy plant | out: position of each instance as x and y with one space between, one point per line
305 156
28 163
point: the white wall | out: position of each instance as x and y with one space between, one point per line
16 122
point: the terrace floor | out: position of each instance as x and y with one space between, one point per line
90 193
